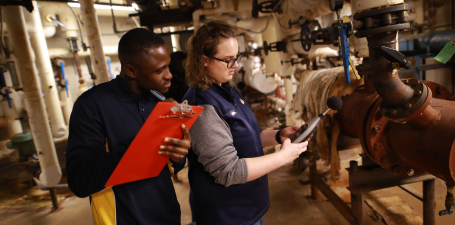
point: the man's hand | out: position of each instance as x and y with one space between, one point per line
178 148
170 100
286 132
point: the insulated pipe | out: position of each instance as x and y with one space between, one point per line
46 74
92 28
67 105
66 17
294 46
288 71
39 122
12 118
49 27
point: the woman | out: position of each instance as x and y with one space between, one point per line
227 165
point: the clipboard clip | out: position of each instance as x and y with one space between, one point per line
182 110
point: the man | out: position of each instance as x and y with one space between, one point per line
103 124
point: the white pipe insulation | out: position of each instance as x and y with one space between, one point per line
46 74
49 27
294 47
92 29
51 173
12 118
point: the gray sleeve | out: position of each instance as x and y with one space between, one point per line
211 141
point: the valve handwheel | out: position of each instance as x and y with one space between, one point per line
306 43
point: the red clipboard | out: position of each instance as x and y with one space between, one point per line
141 160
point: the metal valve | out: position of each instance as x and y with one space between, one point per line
394 56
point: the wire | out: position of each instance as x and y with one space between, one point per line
84 47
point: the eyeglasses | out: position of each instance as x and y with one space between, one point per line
230 63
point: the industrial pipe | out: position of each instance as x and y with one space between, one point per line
46 74
13 122
65 94
92 28
38 118
408 139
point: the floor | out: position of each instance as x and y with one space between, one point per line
289 196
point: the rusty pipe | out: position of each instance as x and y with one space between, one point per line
385 79
355 106
430 149
402 101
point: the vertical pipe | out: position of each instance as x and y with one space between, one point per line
65 96
13 123
92 28
39 122
357 210
429 203
175 39
53 198
314 177
288 70
46 74
356 199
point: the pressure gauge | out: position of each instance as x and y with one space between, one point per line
335 5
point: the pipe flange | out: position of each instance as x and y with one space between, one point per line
381 20
411 109
375 143
380 30
380 11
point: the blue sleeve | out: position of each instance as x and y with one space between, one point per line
88 163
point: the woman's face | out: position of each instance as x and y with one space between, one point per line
227 50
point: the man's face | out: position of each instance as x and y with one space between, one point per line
152 72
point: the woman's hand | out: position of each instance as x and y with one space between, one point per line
286 132
290 151
178 148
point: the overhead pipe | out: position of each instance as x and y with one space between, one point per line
38 118
92 28
46 74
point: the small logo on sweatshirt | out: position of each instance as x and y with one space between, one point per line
242 101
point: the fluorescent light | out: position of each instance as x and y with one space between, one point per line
74 4
114 7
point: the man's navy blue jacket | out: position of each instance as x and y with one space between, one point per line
240 204
104 122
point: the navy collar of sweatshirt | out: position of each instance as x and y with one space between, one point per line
225 90
126 94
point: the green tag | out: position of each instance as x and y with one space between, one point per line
446 53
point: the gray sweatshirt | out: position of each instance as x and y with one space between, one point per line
212 142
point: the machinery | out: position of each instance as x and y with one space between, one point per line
406 126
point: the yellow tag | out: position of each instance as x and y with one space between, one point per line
169 165
346 19
354 69
242 101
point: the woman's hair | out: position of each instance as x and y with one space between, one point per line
205 42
